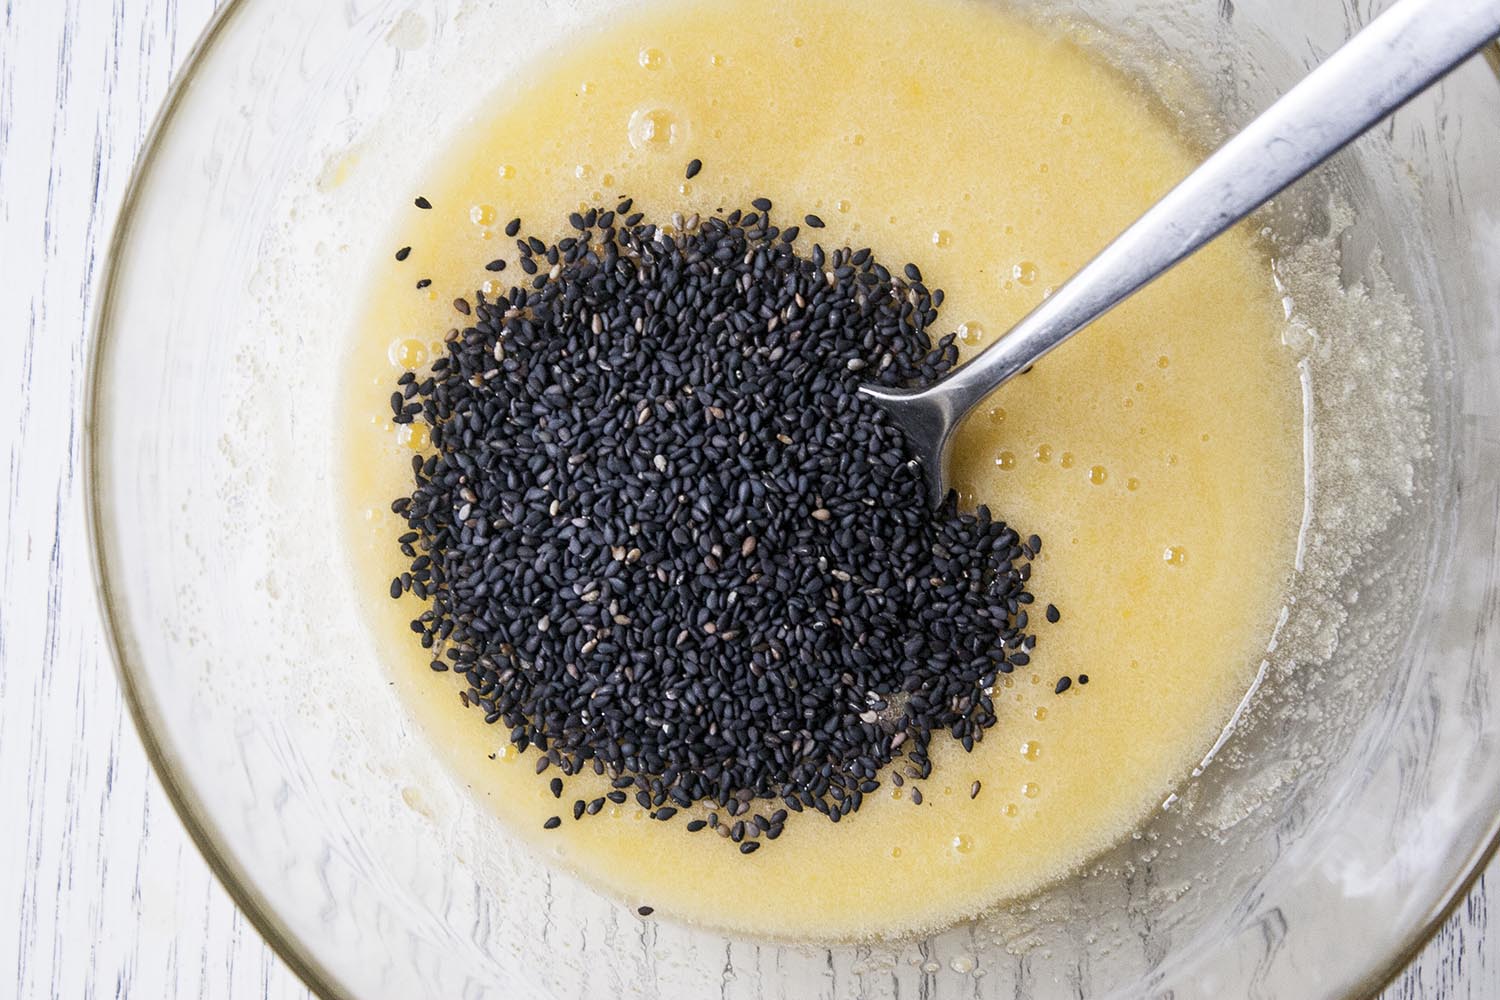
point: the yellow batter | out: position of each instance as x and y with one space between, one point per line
1158 455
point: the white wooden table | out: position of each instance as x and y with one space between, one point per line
101 892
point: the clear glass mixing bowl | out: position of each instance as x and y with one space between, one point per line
1338 823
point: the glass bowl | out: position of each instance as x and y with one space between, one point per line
1345 813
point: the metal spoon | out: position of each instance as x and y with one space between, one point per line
1392 60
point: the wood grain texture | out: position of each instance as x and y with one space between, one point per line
101 892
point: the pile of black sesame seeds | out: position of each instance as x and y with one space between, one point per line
663 538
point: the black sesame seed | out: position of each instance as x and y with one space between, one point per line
495 265
424 283
640 461
552 823
645 911
403 253
1053 615
974 790
423 203
813 221
1083 678
1063 685
693 167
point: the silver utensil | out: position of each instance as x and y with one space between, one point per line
1395 58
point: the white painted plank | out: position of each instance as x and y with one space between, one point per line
101 892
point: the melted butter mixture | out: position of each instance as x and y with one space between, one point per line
1158 454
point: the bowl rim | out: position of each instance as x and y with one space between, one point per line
203 831
201 828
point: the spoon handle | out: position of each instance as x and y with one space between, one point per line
1392 60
